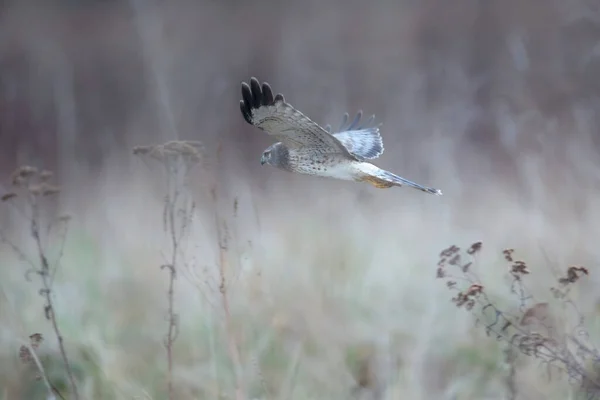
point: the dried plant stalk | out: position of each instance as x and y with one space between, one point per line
32 187
177 158
223 242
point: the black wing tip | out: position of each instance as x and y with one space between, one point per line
256 95
246 112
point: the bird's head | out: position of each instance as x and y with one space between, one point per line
275 155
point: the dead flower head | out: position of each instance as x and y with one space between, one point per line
46 175
467 298
36 340
518 269
450 256
8 196
190 151
440 272
475 248
508 254
22 174
25 352
49 190
465 267
450 251
454 260
44 189
25 355
25 178
573 275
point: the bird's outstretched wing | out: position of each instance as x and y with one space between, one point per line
361 139
288 125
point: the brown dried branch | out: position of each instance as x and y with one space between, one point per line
532 332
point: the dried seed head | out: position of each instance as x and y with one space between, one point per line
46 175
465 268
36 340
187 151
8 196
440 272
474 290
518 269
467 297
450 251
22 174
35 190
27 171
25 355
454 260
573 275
17 181
141 150
475 248
49 190
25 352
508 254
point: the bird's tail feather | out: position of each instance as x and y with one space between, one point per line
399 181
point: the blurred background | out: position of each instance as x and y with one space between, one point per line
496 103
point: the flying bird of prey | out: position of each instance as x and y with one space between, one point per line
307 148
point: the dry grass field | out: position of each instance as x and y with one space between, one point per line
173 266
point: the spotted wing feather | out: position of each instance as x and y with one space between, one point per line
282 121
362 140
